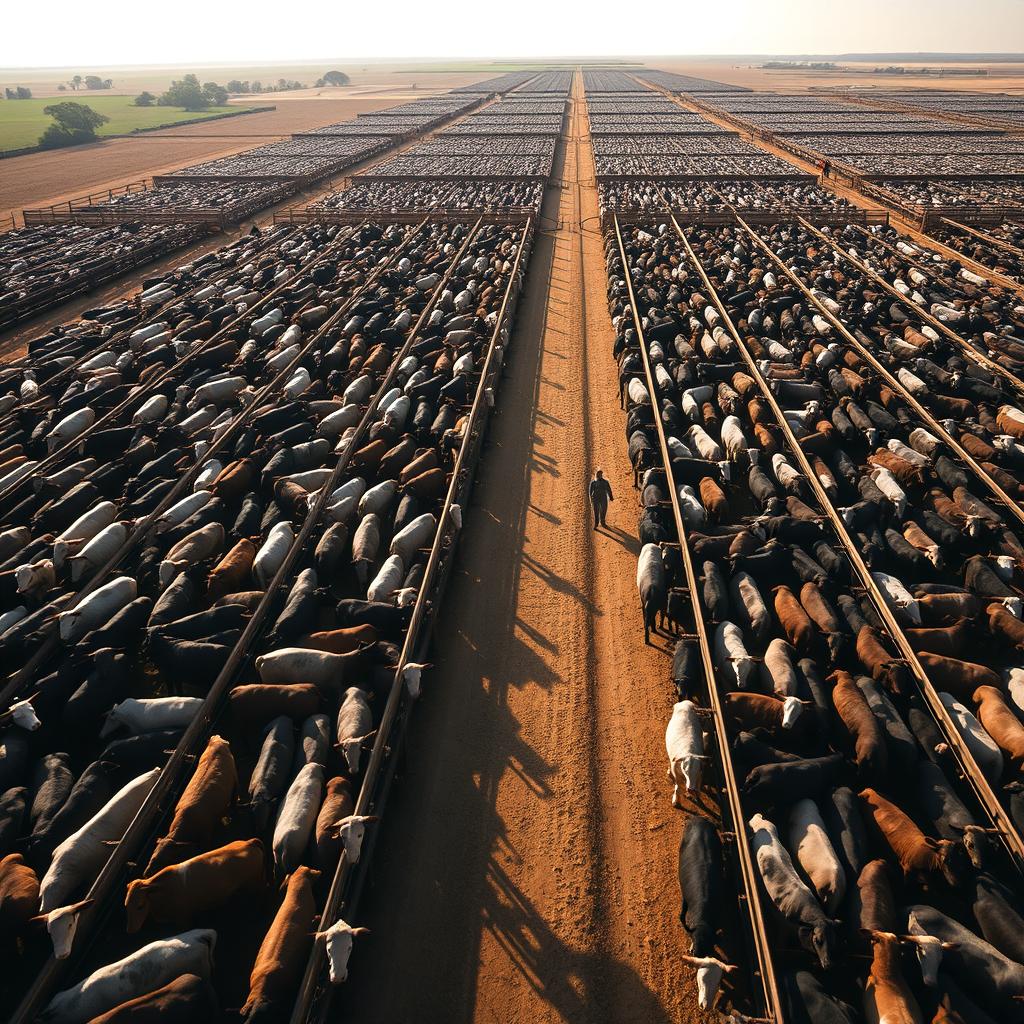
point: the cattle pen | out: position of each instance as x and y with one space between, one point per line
331 468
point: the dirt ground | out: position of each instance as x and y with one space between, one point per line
541 733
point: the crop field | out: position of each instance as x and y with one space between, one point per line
551 551
23 121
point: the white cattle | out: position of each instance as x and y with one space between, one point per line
809 842
338 946
80 857
296 817
684 744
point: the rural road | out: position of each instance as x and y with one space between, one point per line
527 868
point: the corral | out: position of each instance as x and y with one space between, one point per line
298 568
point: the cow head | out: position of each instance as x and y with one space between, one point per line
821 940
976 843
338 941
709 977
350 830
929 950
792 707
24 715
62 924
412 675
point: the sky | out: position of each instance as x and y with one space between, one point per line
61 33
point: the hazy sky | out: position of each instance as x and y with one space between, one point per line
61 32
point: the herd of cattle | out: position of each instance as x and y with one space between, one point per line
263 448
42 267
872 856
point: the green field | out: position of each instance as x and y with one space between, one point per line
23 121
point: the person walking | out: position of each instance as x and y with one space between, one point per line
600 495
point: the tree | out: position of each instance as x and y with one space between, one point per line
76 82
333 78
74 123
23 93
145 99
236 86
62 87
93 82
215 94
187 94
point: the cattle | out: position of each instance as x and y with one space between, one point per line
982 747
684 744
185 1000
995 980
260 702
700 889
203 803
652 584
1000 722
179 893
887 997
753 711
283 953
145 970
338 942
81 855
791 780
870 751
19 895
270 777
807 1002
809 842
789 894
1000 923
915 852
296 817
354 726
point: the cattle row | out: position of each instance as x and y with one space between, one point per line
999 249
689 199
352 488
820 627
41 267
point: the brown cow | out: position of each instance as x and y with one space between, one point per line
945 609
906 473
188 999
870 751
19 895
235 480
948 641
887 997
746 712
713 498
1003 624
884 667
1000 723
257 703
877 903
233 571
794 620
915 851
284 951
427 485
206 800
179 893
960 678
339 803
824 616
340 641
424 461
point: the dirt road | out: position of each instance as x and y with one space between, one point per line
526 871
